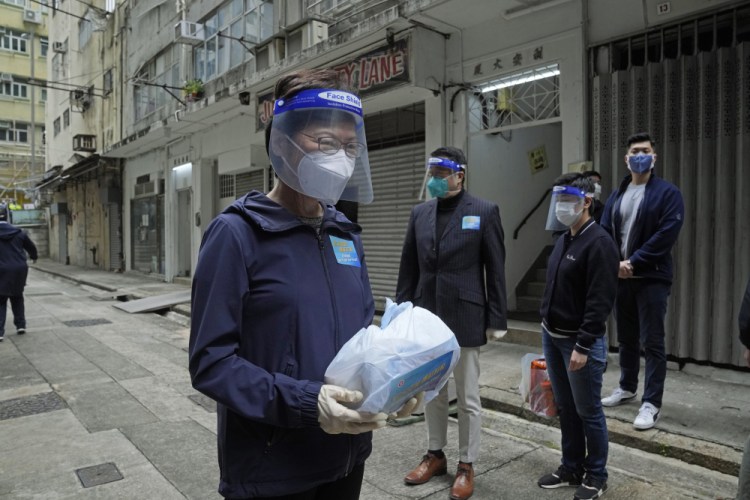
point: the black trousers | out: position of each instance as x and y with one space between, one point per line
16 304
346 488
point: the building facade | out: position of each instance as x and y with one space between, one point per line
529 89
23 72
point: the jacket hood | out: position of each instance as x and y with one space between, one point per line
8 231
259 209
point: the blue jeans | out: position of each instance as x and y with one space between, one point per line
16 304
640 309
585 442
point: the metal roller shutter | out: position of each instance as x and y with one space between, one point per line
397 175
247 181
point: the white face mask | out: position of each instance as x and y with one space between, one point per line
323 176
565 211
597 190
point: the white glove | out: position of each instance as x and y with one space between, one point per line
336 418
496 334
409 406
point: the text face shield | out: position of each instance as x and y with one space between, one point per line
565 208
318 146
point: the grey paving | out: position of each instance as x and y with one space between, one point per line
119 393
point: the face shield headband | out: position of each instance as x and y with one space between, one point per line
565 208
438 187
318 146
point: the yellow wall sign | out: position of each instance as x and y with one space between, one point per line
537 159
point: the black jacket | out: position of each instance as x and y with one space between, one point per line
581 285
744 319
451 284
14 245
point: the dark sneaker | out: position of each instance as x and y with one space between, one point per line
590 489
21 331
560 478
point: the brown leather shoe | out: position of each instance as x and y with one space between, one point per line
463 486
430 466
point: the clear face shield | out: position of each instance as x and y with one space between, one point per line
438 177
318 146
565 208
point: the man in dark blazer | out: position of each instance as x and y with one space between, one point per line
453 264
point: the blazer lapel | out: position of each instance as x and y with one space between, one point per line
431 215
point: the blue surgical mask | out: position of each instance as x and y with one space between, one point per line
438 187
640 163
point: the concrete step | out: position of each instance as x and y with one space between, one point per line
541 275
535 289
528 303
523 333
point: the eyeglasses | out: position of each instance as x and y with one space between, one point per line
330 146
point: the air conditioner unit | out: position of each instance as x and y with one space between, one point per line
84 142
187 32
313 33
32 16
59 47
6 77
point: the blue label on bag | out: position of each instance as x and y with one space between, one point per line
346 253
470 222
424 378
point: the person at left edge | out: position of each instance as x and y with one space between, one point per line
281 284
14 245
453 265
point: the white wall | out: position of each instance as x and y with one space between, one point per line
499 171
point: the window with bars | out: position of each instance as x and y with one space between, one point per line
529 97
226 186
14 89
164 69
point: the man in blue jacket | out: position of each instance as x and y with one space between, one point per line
14 244
644 216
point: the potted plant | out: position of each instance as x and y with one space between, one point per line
193 89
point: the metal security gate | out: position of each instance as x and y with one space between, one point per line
693 96
115 238
248 181
397 175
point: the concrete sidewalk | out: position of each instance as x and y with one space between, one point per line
704 419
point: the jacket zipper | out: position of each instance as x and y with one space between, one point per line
321 245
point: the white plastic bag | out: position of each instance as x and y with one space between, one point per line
414 352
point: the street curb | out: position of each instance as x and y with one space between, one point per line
690 450
75 280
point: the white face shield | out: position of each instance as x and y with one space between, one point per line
565 208
318 146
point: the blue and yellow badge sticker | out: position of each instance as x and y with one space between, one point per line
470 222
345 252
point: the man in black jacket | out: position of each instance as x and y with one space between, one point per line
14 244
578 297
453 264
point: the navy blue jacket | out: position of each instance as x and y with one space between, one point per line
271 307
744 318
657 225
14 244
452 284
581 285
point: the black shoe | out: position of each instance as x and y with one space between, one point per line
21 331
560 478
590 489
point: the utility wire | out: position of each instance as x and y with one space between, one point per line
54 9
42 83
47 86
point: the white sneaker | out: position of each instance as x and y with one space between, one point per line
618 397
647 416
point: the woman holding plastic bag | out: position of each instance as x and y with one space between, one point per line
281 284
579 295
